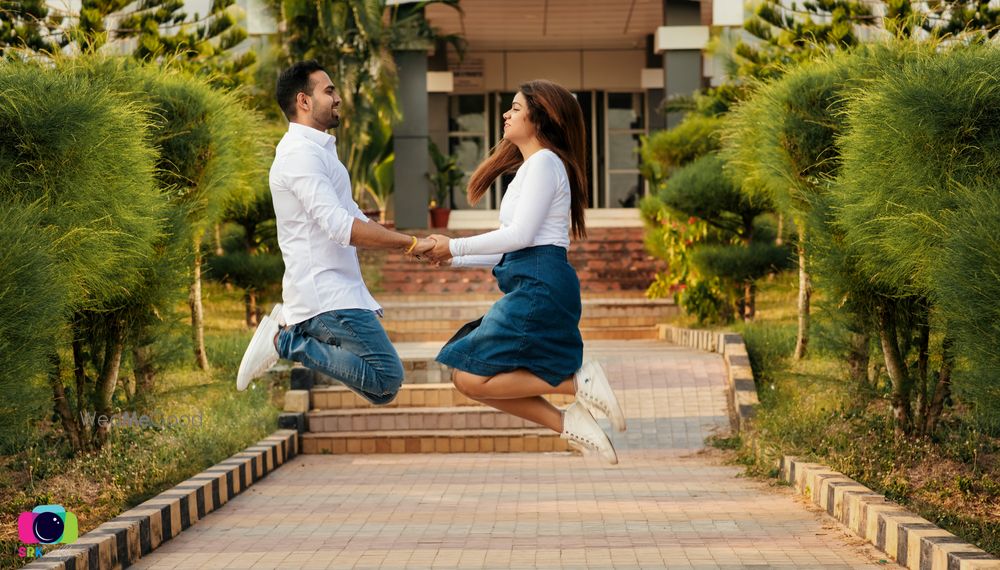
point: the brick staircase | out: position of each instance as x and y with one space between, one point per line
429 415
627 315
610 259
424 418
424 306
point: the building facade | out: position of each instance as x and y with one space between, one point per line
620 58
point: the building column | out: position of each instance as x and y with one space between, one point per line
680 41
411 188
652 84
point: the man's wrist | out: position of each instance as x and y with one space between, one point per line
413 244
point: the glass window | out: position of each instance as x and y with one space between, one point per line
624 122
469 152
625 111
623 151
467 114
467 131
625 190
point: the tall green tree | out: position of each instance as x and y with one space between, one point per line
785 33
939 105
794 160
671 234
153 30
210 157
77 152
742 248
209 154
250 258
203 45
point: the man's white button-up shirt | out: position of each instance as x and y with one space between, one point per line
311 191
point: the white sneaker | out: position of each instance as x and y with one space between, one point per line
261 354
278 314
581 427
594 391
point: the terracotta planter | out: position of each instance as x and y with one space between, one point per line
439 217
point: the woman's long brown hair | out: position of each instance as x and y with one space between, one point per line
558 122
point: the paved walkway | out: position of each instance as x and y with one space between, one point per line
669 503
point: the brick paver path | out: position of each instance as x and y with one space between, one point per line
668 504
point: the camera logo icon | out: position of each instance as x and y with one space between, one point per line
47 524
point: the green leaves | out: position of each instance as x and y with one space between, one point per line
108 172
940 107
795 157
702 189
664 151
888 157
78 151
740 263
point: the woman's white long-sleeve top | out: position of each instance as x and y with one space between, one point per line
535 210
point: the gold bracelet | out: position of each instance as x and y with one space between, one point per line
412 245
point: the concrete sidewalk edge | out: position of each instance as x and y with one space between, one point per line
910 540
120 542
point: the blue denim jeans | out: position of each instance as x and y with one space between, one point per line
349 345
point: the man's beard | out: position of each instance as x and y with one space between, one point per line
331 122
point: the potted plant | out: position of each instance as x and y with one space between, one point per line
372 168
443 179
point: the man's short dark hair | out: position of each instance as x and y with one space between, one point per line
293 81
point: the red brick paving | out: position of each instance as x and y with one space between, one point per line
668 504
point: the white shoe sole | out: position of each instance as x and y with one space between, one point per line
278 315
245 374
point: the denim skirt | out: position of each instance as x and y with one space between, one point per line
535 325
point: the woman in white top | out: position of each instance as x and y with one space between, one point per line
529 342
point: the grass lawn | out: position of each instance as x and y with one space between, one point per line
811 409
136 463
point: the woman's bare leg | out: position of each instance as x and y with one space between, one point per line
518 393
516 384
535 408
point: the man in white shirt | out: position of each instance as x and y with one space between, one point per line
328 320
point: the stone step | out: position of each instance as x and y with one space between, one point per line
410 395
389 298
452 325
593 308
610 259
402 279
435 441
409 419
617 333
594 257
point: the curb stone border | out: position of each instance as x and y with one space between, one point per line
122 541
910 540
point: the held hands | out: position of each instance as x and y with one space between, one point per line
421 247
434 249
441 251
